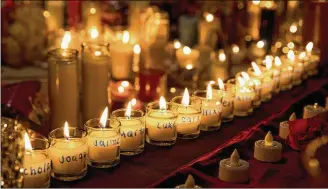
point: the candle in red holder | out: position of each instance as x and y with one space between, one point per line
151 84
121 90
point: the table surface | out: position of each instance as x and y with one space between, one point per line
157 162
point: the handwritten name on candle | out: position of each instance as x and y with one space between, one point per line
131 134
243 98
38 170
190 119
106 143
207 112
168 125
226 103
75 158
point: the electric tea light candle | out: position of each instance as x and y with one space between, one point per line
36 163
312 110
103 141
211 109
160 123
284 127
132 130
188 121
69 153
190 183
267 150
227 100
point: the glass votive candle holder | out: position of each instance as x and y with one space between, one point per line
37 164
211 109
69 154
227 96
297 74
255 83
161 124
243 101
276 78
132 131
314 59
188 121
267 83
286 74
103 143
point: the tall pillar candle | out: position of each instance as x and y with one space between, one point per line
95 76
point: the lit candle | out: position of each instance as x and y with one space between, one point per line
189 117
93 18
258 50
297 67
95 70
220 65
160 123
237 55
243 99
36 163
227 100
255 83
103 141
267 150
276 68
304 59
312 110
187 56
314 59
284 127
69 153
132 130
122 57
211 109
208 30
286 74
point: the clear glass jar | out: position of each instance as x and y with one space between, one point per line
95 79
227 102
63 83
161 124
103 143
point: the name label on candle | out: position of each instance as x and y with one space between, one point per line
190 119
167 125
226 103
75 158
38 169
208 112
106 143
133 133
244 98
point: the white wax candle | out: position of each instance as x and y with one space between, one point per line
160 125
312 110
188 120
267 86
132 134
37 167
104 145
69 156
211 113
298 71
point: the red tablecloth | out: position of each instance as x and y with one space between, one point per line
158 166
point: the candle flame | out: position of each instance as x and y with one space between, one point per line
260 44
268 62
186 50
66 131
256 2
93 10
302 55
221 84
256 69
120 89
315 105
94 33
103 118
293 28
176 44
291 45
222 56
185 98
235 48
291 55
134 102
97 53
162 103
28 146
136 49
46 14
189 66
209 17
245 76
128 111
126 37
125 84
209 94
309 47
66 39
268 140
277 61
241 81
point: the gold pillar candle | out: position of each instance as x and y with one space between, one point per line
63 86
189 118
186 56
211 109
267 150
122 57
190 183
227 100
160 123
284 127
69 153
95 78
234 169
312 110
37 163
132 130
103 141
244 96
